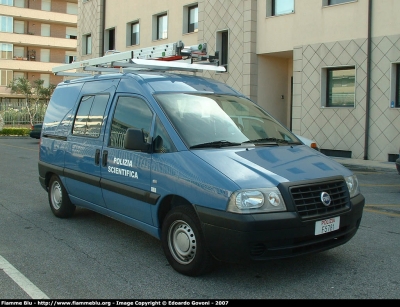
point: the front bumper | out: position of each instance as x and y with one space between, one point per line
238 238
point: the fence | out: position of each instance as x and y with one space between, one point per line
15 114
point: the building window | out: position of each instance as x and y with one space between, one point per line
193 18
19 52
333 2
397 104
281 7
6 2
134 33
6 24
45 55
46 79
222 48
70 58
5 77
87 44
162 26
6 51
110 39
72 8
46 5
19 3
18 75
71 33
44 29
19 26
340 87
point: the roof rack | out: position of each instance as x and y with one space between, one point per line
166 57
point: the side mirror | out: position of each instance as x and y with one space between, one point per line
134 140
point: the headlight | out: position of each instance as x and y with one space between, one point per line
256 201
352 184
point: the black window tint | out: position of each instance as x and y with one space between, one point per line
130 112
224 49
398 86
89 118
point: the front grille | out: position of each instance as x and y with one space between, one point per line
307 198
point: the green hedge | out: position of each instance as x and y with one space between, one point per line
15 131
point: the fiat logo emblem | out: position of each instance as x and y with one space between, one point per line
325 198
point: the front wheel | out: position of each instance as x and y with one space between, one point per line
59 201
183 242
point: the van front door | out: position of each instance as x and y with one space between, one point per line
125 173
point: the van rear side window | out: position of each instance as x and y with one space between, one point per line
90 115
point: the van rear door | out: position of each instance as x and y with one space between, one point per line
82 157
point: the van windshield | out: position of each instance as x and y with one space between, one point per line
209 120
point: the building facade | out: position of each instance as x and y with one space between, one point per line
327 69
35 36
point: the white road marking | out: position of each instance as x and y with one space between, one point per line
25 284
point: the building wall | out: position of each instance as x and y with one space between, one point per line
144 12
315 36
239 18
90 21
345 128
310 23
33 42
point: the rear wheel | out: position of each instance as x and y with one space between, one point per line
59 201
183 242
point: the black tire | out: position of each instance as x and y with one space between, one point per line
59 201
183 242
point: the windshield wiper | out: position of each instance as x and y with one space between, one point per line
263 140
217 144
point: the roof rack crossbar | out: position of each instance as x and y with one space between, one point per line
73 74
95 61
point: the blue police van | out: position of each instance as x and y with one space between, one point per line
193 163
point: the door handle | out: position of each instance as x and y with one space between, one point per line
97 157
104 159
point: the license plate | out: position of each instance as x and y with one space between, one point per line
327 225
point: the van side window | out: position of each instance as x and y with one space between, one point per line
161 141
130 112
90 115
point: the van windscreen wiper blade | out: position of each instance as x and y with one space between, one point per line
217 144
262 140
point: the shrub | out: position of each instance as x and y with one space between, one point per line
15 131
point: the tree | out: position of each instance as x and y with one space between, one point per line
33 94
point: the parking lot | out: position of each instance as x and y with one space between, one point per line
94 257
